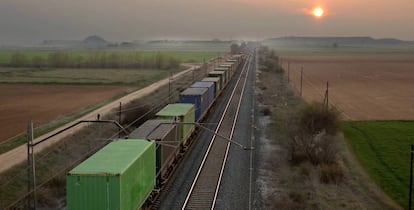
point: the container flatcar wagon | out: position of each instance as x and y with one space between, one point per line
165 133
221 75
224 69
119 176
232 61
216 81
235 64
182 113
197 96
238 57
211 88
128 174
230 66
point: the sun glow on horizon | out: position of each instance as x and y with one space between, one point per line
318 12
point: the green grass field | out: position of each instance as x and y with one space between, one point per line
182 56
383 148
82 76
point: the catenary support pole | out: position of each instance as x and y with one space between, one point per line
411 178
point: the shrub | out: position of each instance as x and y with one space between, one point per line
305 169
311 134
316 118
331 173
297 197
266 111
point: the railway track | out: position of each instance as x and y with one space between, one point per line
206 184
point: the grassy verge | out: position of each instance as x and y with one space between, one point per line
82 76
383 148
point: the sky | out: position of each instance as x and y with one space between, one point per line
127 20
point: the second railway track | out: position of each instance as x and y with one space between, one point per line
205 187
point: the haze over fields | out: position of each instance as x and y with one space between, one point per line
27 21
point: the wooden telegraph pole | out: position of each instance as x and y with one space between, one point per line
170 86
326 99
119 119
301 80
288 68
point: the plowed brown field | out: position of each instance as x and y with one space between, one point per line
363 88
44 103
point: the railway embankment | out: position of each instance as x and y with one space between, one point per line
285 184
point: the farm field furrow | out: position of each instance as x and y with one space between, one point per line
45 103
363 88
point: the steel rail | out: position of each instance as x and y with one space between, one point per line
212 140
231 137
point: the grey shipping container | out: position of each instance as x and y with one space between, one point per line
166 135
198 97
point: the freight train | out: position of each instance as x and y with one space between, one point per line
126 173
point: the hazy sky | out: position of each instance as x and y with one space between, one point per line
116 20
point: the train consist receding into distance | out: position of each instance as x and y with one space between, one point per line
128 173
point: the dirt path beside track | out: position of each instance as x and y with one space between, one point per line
19 154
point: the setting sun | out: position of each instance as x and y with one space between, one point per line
317 12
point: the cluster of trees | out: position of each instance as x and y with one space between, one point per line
269 60
95 60
236 48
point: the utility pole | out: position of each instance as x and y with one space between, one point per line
326 99
119 119
288 68
205 66
301 80
170 87
31 173
411 178
193 74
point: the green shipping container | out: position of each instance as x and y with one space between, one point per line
119 176
182 113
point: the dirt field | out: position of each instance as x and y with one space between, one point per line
285 185
362 87
20 103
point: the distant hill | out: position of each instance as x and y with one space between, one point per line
94 41
358 40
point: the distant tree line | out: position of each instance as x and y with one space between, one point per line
94 60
